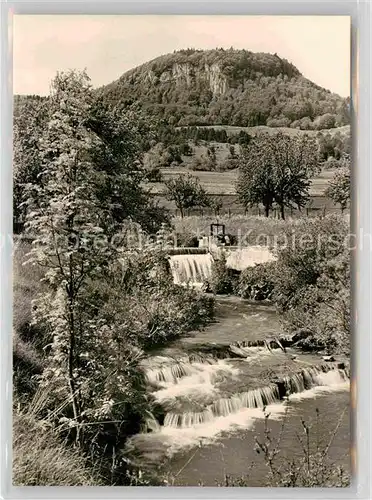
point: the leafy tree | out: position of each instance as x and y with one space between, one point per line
185 149
91 364
232 153
157 157
277 169
324 121
155 175
339 187
118 157
186 192
204 163
216 203
255 182
30 118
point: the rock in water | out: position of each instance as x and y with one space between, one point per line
238 352
328 358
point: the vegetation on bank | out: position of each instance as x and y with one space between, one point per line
89 306
309 282
80 334
42 459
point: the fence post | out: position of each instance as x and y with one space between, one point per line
229 212
324 211
307 211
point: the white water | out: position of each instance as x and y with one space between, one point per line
195 379
191 269
247 257
227 415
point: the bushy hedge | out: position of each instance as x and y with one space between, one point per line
258 282
135 308
223 280
309 282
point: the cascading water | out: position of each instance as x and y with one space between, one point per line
213 413
185 378
191 269
211 392
258 398
169 373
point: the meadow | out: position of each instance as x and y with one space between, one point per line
222 185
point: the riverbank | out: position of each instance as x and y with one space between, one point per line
215 405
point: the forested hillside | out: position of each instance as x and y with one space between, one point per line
228 87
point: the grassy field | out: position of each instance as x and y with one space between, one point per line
223 183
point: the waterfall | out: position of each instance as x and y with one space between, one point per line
188 419
255 398
191 269
182 379
260 397
169 373
167 370
308 378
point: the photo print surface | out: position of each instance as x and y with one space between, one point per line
181 213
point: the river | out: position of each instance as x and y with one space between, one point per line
213 406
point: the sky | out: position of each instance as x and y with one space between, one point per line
107 46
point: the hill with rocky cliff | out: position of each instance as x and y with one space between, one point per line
228 87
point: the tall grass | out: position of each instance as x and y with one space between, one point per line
28 358
41 459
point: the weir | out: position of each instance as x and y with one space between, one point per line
218 384
194 265
260 397
169 373
192 269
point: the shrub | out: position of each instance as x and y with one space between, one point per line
159 314
221 280
40 458
140 296
258 282
202 164
155 175
187 240
312 284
